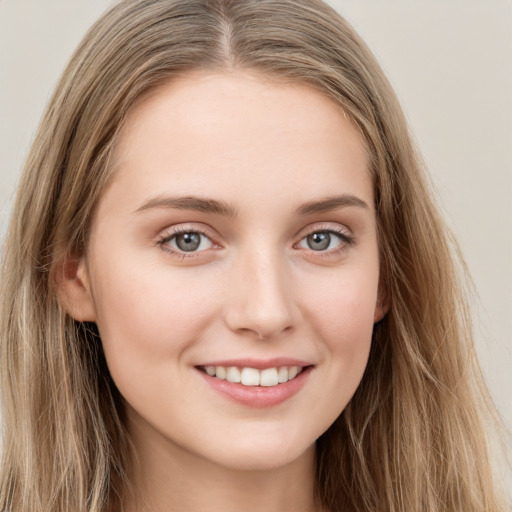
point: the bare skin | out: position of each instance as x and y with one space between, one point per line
239 231
173 477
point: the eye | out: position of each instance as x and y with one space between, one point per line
186 242
325 240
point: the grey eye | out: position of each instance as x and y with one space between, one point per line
189 241
322 241
318 241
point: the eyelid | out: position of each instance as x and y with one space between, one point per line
171 232
344 233
332 227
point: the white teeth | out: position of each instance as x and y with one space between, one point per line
254 377
292 372
282 374
268 377
220 372
233 374
250 377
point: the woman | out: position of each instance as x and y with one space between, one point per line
226 283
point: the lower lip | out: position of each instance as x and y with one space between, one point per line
258 396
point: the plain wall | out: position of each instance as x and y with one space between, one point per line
451 65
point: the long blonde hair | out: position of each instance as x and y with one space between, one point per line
411 439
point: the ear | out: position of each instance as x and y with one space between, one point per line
73 288
382 305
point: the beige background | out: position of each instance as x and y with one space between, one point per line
451 64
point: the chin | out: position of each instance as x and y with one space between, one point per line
256 453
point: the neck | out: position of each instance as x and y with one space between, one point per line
168 478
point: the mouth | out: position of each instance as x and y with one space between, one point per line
256 382
254 377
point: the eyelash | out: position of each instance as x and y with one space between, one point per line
165 239
346 240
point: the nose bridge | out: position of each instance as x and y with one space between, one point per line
261 301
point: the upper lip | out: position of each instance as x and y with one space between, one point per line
259 364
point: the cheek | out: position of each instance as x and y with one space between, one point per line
342 313
148 317
344 307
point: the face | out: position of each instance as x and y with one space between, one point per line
235 242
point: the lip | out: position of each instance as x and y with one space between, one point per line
259 364
258 396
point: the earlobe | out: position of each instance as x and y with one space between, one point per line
73 288
382 305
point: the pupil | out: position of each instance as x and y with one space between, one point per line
319 241
188 241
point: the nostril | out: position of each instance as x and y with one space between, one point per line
265 334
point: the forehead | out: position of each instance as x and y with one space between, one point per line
204 131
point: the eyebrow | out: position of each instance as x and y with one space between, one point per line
189 203
205 205
331 203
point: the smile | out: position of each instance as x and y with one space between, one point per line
257 382
248 376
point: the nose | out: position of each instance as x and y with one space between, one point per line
261 301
